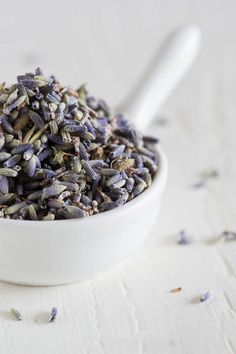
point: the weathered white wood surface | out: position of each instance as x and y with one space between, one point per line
128 309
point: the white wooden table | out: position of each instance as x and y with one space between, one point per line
129 309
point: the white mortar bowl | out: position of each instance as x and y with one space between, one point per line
64 251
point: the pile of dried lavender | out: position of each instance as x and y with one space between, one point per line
62 154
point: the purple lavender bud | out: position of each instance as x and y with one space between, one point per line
90 127
73 187
55 203
114 179
52 191
53 315
118 151
146 152
88 169
36 119
6 198
75 128
85 200
45 111
124 175
31 166
45 154
205 297
138 160
4 185
123 198
108 172
37 161
97 163
228 235
140 185
71 212
19 149
104 107
14 208
129 184
183 238
48 173
150 140
142 171
2 140
28 154
92 102
119 184
38 71
56 139
136 137
35 195
4 121
198 185
105 206
76 197
28 82
95 185
83 153
4 156
12 161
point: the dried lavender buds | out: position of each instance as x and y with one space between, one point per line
53 315
16 314
205 297
228 235
63 155
183 238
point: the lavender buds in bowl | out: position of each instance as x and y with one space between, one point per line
63 155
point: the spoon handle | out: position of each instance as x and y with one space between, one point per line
173 60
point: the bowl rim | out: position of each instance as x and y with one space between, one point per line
158 183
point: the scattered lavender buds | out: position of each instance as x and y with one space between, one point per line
53 315
183 238
213 173
228 236
205 176
198 185
63 155
16 314
205 297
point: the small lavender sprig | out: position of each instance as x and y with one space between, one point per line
53 315
183 238
205 297
210 174
228 235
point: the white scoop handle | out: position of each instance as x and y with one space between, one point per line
173 59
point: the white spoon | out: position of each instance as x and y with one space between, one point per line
173 59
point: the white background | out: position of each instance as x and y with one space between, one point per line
129 309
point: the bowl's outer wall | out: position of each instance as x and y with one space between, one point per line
59 252
68 252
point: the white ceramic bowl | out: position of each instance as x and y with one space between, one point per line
65 251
